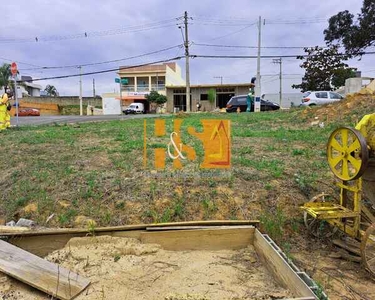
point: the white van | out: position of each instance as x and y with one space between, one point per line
135 108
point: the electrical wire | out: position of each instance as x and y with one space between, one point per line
219 23
233 32
268 56
232 19
108 70
19 62
105 62
89 34
296 22
284 74
253 47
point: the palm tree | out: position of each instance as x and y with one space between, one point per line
5 74
51 91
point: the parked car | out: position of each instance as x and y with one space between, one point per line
135 108
241 102
28 112
320 97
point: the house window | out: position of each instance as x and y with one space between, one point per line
204 97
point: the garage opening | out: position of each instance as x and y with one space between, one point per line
223 99
145 103
223 96
179 102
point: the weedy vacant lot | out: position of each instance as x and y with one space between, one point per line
96 170
72 174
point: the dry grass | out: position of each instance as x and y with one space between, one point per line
95 170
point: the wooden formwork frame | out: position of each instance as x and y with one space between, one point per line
200 235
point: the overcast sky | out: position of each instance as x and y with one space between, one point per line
64 22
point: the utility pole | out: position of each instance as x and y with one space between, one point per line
188 109
93 93
257 85
93 88
280 62
80 91
221 79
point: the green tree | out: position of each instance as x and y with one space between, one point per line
354 33
340 75
5 74
157 99
324 69
51 91
211 95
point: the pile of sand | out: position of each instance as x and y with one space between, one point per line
124 268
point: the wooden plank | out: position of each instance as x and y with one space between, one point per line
368 214
131 227
44 242
345 254
350 248
11 229
166 228
42 245
208 223
39 273
178 228
279 268
201 239
63 231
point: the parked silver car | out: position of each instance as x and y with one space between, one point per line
320 97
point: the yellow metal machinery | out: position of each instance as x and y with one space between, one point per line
351 157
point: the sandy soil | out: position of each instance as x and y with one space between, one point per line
123 268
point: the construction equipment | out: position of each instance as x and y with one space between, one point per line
351 157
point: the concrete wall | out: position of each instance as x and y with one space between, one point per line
174 78
287 99
111 104
65 100
354 85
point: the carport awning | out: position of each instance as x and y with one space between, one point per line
136 97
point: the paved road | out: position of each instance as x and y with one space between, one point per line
45 120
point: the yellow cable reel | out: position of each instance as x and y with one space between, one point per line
347 153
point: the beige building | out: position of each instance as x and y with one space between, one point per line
166 78
199 94
139 81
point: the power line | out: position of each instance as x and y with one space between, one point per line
108 70
220 23
106 62
19 62
270 80
269 56
89 34
253 47
233 32
263 75
233 19
296 22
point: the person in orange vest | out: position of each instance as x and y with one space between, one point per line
5 107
